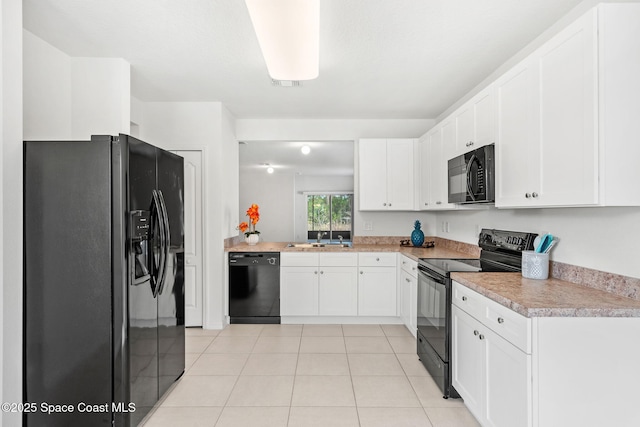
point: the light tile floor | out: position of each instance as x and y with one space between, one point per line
301 376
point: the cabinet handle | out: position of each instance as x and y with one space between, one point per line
500 320
404 262
476 332
438 203
321 272
481 337
527 195
361 272
469 144
384 204
315 272
389 204
413 268
408 281
534 195
377 259
426 204
464 298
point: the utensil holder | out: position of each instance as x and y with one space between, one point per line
535 265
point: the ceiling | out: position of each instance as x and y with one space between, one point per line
325 158
404 59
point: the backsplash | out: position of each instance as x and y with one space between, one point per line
454 245
613 283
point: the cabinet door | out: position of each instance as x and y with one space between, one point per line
507 385
413 306
299 291
377 291
338 291
400 177
517 145
475 122
568 158
484 118
425 167
441 150
372 174
405 298
467 360
464 129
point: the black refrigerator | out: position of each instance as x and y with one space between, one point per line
103 280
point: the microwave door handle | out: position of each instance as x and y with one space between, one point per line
469 188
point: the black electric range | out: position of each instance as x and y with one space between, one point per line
501 251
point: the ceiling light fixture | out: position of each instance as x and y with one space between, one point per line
269 169
305 149
288 32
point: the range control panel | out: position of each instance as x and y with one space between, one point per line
510 240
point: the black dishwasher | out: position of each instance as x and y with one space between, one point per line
254 287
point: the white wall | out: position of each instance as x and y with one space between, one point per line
46 90
274 194
205 126
73 98
11 207
600 238
100 97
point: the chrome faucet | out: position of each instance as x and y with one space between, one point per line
320 235
340 238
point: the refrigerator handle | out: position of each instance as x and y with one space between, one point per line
162 261
167 242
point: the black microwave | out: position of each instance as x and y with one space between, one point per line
472 176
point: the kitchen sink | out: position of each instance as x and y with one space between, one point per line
319 245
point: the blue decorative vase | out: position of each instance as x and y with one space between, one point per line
417 236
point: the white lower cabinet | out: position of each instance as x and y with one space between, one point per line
377 291
377 284
338 291
298 291
408 293
492 375
491 368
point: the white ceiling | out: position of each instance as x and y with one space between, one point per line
378 58
325 158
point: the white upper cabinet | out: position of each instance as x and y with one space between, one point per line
475 122
386 174
565 113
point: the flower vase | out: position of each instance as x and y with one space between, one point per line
252 239
417 236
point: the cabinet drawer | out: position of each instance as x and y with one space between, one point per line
377 259
328 259
468 300
510 325
299 259
409 265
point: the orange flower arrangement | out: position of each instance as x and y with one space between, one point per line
254 216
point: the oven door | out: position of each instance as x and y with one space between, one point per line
433 312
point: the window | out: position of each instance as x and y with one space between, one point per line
330 214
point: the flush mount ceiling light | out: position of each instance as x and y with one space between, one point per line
288 32
305 149
269 168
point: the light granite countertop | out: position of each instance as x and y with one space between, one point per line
410 251
548 298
